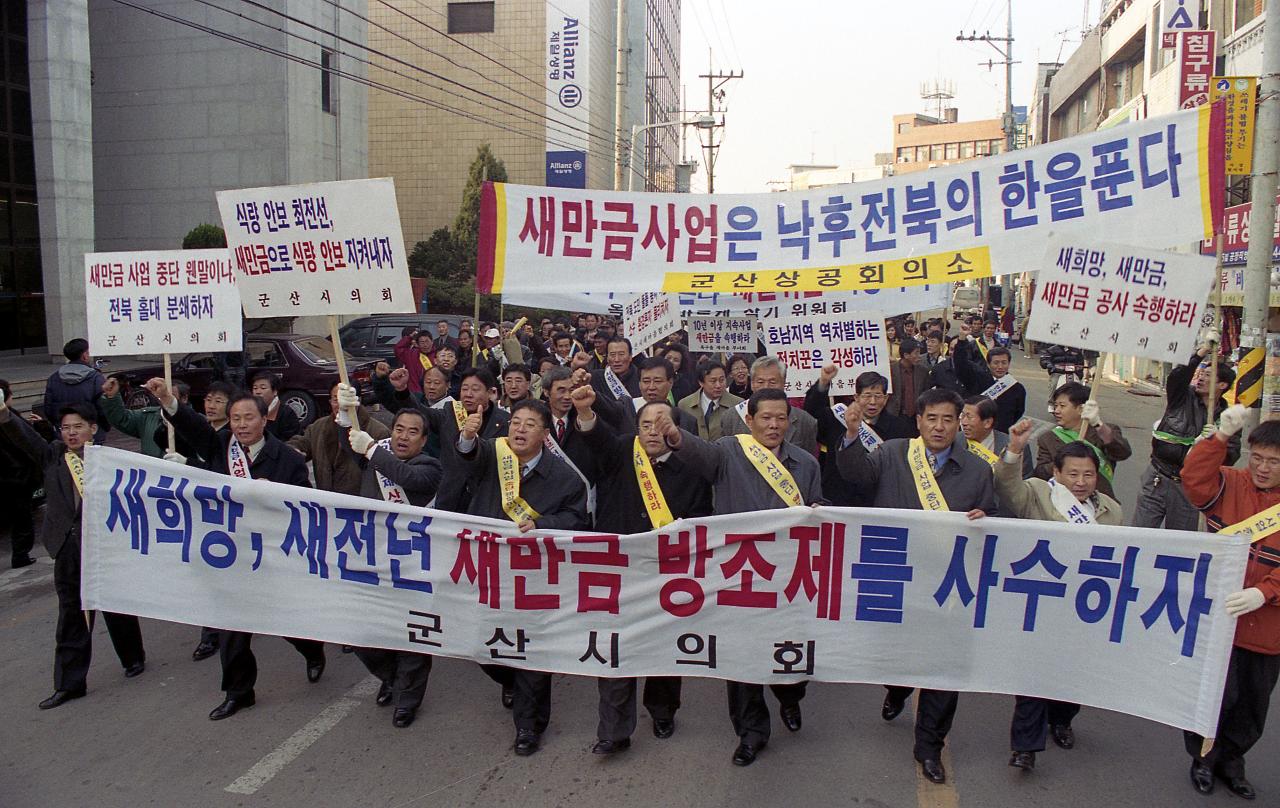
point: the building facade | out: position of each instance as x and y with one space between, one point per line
923 141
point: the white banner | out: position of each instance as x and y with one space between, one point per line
649 318
568 67
1150 183
1120 299
853 342
723 334
1176 17
323 248
1091 615
166 301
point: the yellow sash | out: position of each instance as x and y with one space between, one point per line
927 489
426 363
773 472
509 479
1256 527
459 413
983 452
655 504
76 466
982 348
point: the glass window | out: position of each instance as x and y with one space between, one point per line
966 149
326 80
906 154
470 18
953 151
389 335
316 350
264 354
922 154
1246 10
935 151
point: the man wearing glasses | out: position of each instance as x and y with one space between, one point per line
878 426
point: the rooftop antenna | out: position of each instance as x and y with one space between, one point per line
939 92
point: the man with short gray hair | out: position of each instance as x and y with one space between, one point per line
767 373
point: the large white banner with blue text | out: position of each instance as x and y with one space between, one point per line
1092 615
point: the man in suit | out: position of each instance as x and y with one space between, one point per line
978 422
712 403
740 486
623 510
558 498
940 459
910 378
869 392
62 462
618 379
397 469
247 451
282 421
767 373
657 378
474 398
989 376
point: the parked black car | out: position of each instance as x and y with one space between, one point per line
376 335
305 364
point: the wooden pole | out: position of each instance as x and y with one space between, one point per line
168 382
1216 297
340 356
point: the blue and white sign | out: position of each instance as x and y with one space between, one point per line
567 169
568 114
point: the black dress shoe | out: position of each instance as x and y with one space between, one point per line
22 561
746 753
1201 777
790 715
892 708
230 707
385 692
1063 735
603 747
1240 787
403 716
59 698
933 771
1023 760
664 727
204 650
134 669
526 742
315 669
508 697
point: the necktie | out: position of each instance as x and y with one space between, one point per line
933 460
560 430
711 408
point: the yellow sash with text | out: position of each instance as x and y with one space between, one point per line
76 466
426 363
459 413
509 481
927 489
773 472
655 504
1256 527
983 452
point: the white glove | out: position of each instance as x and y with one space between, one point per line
174 457
361 441
1210 335
1090 412
1245 601
4 405
342 419
347 396
1232 420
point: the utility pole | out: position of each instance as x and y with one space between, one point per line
715 81
1010 128
1257 274
619 95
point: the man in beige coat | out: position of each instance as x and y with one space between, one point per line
712 402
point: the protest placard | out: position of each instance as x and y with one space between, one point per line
324 248
649 318
722 334
1120 299
787 595
853 342
159 302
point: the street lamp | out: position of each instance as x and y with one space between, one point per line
704 121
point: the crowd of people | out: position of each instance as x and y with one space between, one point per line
562 425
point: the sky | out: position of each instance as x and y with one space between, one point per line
823 78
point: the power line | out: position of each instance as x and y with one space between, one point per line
728 27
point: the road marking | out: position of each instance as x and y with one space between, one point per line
929 794
274 761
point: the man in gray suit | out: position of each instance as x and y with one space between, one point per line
711 406
977 421
767 373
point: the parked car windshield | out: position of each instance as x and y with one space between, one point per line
315 349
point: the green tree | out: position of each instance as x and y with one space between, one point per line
449 284
204 237
466 228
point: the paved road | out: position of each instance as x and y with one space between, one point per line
147 742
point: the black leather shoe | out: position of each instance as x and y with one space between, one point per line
403 717
746 753
508 697
1201 777
1063 735
22 561
664 727
204 650
791 717
933 771
59 698
1023 760
603 747
134 669
230 707
1240 787
384 695
892 708
315 669
527 742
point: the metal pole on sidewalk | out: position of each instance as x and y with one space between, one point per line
1257 275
